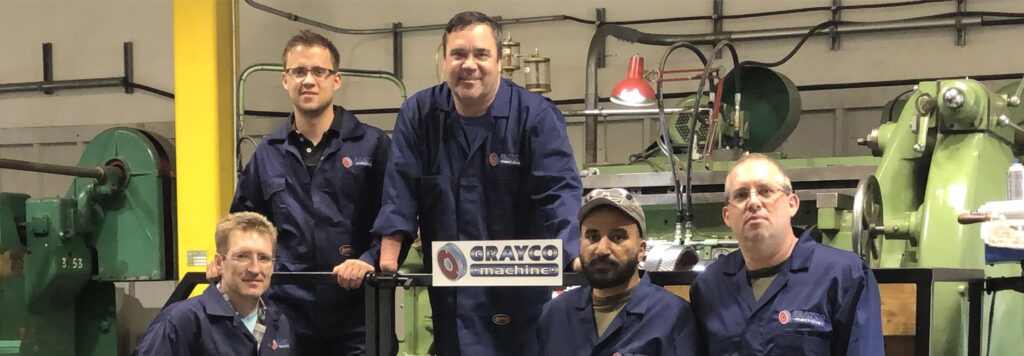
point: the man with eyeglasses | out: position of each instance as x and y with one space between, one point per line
620 312
318 178
479 158
230 317
782 293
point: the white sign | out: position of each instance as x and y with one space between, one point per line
497 263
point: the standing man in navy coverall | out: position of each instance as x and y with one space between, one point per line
795 296
479 158
620 312
318 178
230 317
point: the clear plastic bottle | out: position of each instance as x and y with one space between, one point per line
1015 181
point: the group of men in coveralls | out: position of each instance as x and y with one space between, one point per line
781 293
481 158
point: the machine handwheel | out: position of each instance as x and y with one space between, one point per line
867 217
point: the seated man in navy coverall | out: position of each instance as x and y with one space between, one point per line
479 158
781 294
620 312
230 317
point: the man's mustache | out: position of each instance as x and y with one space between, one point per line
603 260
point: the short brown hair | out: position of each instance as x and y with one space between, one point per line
468 18
243 221
309 38
784 182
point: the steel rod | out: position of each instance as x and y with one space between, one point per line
94 172
62 84
621 112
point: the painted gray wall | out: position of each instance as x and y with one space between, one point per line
87 37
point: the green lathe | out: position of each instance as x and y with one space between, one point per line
60 256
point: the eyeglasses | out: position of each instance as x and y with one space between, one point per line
247 258
299 73
764 193
617 194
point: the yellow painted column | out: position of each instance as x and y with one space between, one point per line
204 69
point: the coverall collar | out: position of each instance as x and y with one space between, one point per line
799 259
633 309
346 124
216 305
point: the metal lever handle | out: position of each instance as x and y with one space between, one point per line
1015 99
972 218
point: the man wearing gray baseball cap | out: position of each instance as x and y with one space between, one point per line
620 312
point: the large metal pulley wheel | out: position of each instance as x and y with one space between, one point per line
867 218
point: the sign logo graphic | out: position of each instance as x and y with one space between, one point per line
451 261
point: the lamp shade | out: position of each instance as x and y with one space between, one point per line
634 90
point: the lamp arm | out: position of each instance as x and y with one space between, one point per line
684 213
597 46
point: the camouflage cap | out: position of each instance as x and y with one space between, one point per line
615 197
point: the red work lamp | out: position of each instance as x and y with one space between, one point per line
634 90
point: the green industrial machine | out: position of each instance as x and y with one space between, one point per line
60 256
769 112
946 154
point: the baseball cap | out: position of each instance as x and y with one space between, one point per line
615 197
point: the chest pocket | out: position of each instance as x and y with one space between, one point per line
506 213
725 346
647 348
810 343
273 193
345 187
436 204
506 188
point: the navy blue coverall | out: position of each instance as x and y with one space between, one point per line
824 301
322 220
207 326
653 322
519 181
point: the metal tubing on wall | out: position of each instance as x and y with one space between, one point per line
204 48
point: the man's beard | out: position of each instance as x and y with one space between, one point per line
608 278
